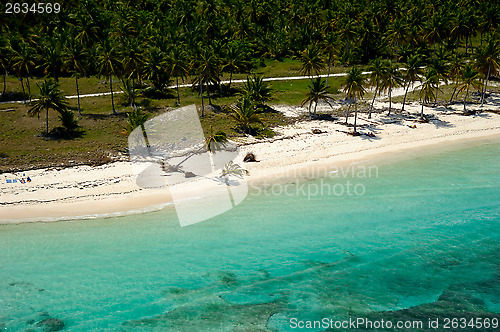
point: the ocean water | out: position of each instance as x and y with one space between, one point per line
419 239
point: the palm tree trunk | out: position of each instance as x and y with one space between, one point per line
465 98
24 93
422 112
29 87
315 105
453 94
78 94
201 94
397 46
347 113
404 99
485 85
178 95
112 99
390 101
4 84
146 139
230 78
373 102
208 92
329 67
133 93
309 109
47 121
355 114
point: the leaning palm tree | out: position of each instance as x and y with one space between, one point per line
469 78
377 70
316 93
392 79
245 114
213 142
50 98
354 87
488 62
411 75
428 89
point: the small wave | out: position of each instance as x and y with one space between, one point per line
152 208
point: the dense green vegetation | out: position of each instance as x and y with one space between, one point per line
143 47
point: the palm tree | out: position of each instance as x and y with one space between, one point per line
246 114
235 60
52 57
50 98
23 62
488 62
411 75
5 59
257 90
331 50
108 64
154 68
441 69
428 89
392 79
434 29
179 67
135 119
354 87
469 78
208 68
317 93
347 32
312 62
75 60
377 70
455 69
132 63
213 142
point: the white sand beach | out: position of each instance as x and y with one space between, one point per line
84 191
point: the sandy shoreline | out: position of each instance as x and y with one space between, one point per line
110 190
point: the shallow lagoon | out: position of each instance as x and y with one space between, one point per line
422 241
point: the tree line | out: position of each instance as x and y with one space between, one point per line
155 42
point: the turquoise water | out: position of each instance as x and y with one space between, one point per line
423 241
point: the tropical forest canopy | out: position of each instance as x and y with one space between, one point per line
151 38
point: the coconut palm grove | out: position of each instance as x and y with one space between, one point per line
147 56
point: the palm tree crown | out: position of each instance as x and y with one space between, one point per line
50 98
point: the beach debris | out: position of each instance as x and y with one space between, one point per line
188 175
250 158
317 131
